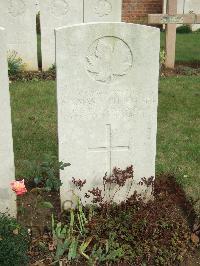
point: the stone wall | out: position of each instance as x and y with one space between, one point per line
137 10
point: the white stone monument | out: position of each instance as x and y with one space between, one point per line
7 172
18 17
56 13
102 10
107 93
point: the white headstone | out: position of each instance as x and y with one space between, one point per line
7 197
107 92
102 10
53 14
18 17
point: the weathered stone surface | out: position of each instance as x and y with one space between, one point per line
102 10
37 6
7 197
53 14
18 18
107 92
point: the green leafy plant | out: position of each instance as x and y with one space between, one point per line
46 173
197 31
14 242
69 240
162 58
64 239
109 251
184 29
15 63
53 68
134 232
82 221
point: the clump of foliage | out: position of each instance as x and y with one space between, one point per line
149 233
184 29
197 31
134 232
15 63
45 174
53 68
162 58
14 242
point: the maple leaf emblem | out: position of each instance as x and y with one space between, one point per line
109 59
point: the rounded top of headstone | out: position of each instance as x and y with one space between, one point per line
102 24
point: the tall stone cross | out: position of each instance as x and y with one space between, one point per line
109 148
171 19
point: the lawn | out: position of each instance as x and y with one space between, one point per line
178 145
187 47
34 121
35 127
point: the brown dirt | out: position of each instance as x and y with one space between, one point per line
34 76
182 69
38 219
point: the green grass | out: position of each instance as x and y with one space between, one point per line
187 47
178 145
34 121
35 127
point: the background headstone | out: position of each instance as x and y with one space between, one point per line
107 92
53 14
7 173
102 10
18 18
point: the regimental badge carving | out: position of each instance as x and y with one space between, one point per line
109 59
59 7
16 7
103 8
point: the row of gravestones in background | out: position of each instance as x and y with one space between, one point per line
107 95
18 17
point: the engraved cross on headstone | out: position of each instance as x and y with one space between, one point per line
109 148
